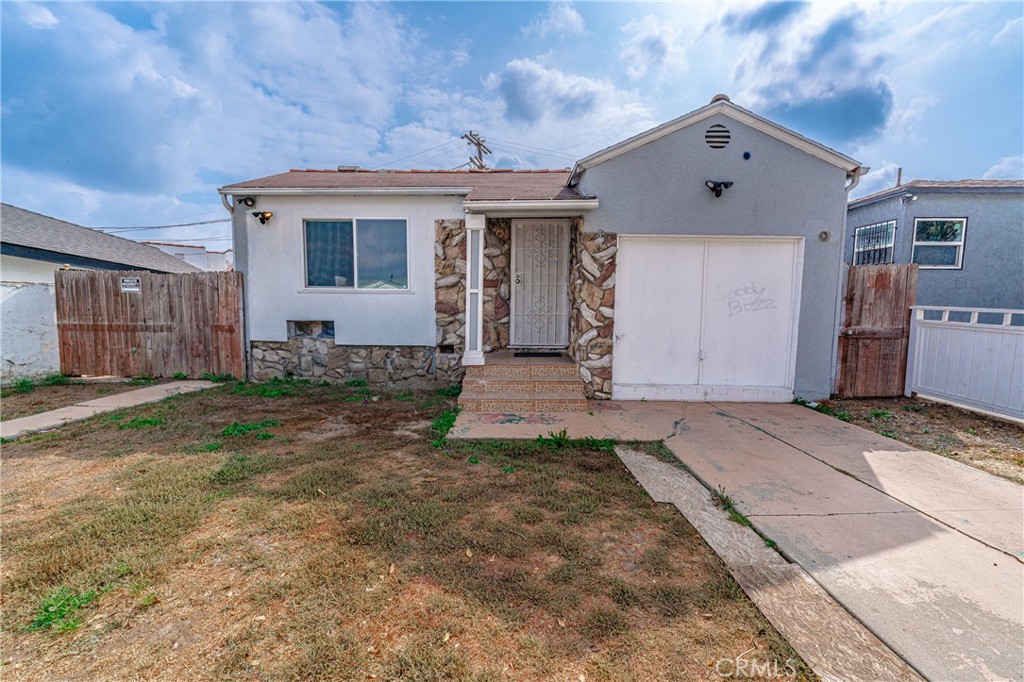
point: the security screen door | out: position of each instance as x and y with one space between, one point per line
540 283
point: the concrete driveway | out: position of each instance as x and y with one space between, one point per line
928 553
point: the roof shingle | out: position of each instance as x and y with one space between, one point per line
490 185
34 230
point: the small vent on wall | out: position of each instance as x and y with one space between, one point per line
717 136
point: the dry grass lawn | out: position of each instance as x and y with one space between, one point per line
300 532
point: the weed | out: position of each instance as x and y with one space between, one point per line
626 594
218 378
508 469
237 468
824 408
59 610
150 599
671 601
6 441
452 391
404 396
212 446
879 415
973 432
57 379
888 434
244 428
356 383
264 435
140 423
473 459
179 376
724 502
23 385
602 623
275 388
555 441
141 380
442 425
914 408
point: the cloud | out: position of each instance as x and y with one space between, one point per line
37 16
768 16
1012 32
651 45
1006 168
847 114
560 19
531 91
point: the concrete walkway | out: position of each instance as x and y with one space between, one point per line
44 421
924 551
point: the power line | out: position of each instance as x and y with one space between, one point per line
111 230
443 144
529 146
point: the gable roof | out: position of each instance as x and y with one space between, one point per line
941 186
37 232
720 104
474 185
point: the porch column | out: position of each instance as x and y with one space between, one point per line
475 225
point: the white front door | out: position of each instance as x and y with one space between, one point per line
706 318
540 283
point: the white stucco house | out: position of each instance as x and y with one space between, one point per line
198 255
699 260
32 247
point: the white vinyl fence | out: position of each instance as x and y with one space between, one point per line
972 357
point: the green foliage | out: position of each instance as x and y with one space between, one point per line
404 396
179 376
355 383
888 434
237 468
218 378
452 391
140 423
442 425
59 610
57 379
275 388
724 502
244 428
879 415
555 441
264 435
141 380
23 386
824 408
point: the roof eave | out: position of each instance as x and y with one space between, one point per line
343 191
531 208
734 112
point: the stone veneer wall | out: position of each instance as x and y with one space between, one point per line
317 358
450 283
497 283
592 298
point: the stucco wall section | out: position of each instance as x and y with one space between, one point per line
497 282
29 331
450 283
592 298
385 366
993 262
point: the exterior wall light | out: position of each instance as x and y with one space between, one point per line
248 202
263 216
718 186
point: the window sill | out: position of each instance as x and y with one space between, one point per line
354 291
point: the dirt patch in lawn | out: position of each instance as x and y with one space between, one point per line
14 404
993 445
316 533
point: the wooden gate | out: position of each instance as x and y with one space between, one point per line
147 324
874 339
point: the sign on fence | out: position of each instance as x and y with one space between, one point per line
131 285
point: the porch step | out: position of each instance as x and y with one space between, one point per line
540 386
480 402
546 370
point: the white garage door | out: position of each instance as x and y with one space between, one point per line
706 318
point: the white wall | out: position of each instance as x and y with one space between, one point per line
28 330
16 269
272 258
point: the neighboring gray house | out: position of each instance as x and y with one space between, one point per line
700 260
967 237
32 246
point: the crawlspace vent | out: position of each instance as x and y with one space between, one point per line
717 136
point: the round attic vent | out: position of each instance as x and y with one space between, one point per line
717 136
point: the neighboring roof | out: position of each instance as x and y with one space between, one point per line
38 232
475 185
720 105
184 246
940 186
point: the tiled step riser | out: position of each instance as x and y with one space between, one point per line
521 371
521 406
533 389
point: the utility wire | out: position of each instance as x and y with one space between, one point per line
443 144
532 147
111 230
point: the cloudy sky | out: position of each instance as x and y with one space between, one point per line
127 114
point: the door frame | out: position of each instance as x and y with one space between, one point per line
512 284
706 392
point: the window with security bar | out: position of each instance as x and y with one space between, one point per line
873 244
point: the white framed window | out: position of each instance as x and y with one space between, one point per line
873 244
939 242
357 254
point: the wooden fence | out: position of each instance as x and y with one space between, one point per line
147 324
876 333
972 357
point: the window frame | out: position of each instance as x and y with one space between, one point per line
959 244
891 245
355 289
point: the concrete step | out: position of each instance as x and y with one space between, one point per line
546 370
